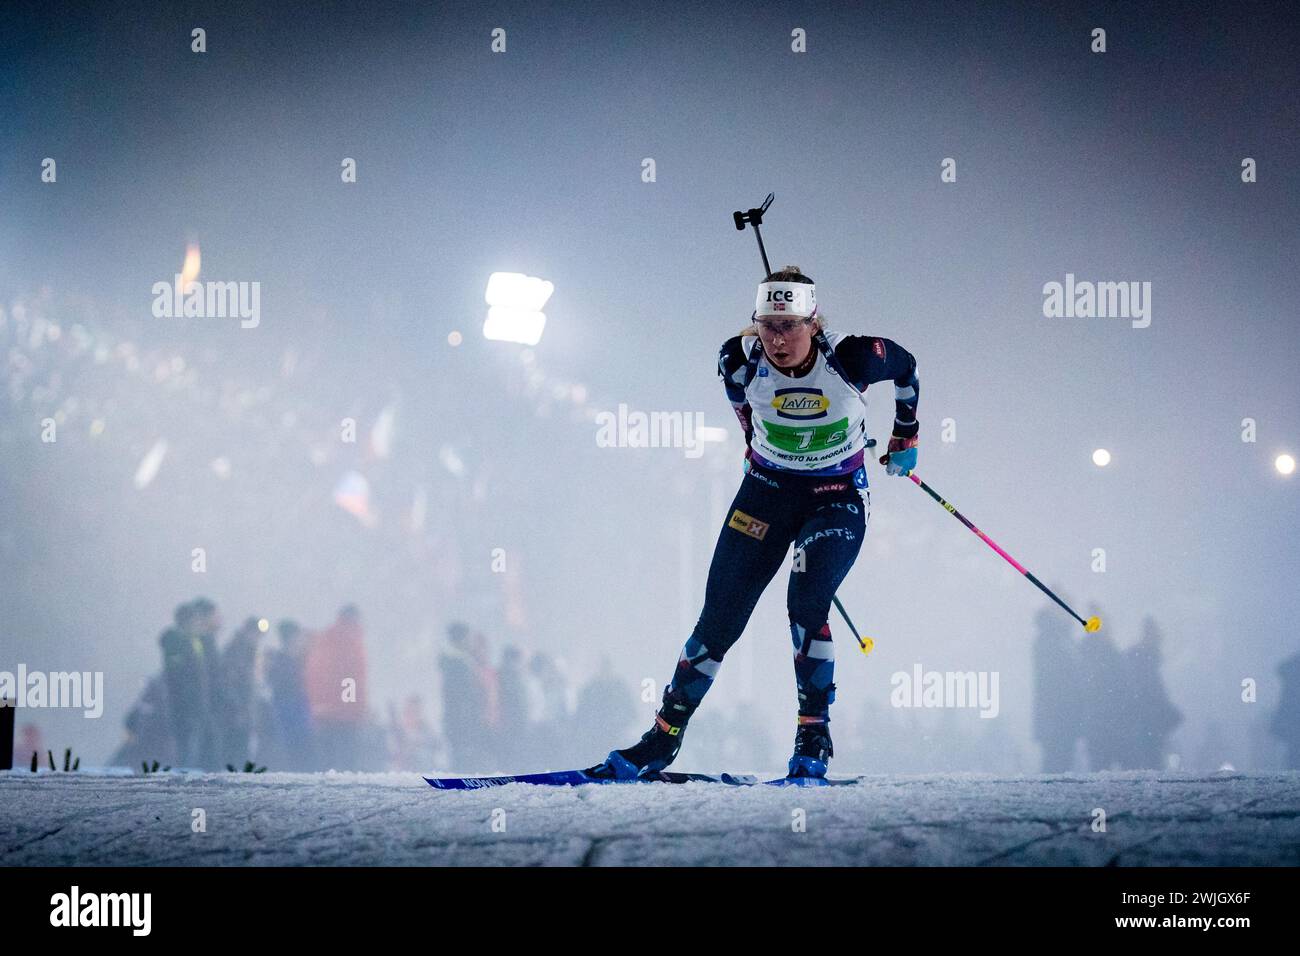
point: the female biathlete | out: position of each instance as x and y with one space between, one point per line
796 389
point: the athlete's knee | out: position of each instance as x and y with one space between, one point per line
808 600
716 632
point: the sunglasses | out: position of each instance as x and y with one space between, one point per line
781 326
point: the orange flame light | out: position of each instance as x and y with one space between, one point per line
190 271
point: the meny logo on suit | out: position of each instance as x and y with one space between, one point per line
801 403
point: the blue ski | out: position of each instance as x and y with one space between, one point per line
813 782
572 778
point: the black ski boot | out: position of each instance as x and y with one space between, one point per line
812 749
657 748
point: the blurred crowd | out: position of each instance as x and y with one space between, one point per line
299 700
1099 706
294 702
516 714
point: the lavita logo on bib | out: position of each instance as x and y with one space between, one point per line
800 403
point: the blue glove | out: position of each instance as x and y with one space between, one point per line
901 457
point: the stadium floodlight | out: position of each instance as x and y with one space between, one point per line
515 307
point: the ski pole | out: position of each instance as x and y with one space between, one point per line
865 644
1091 625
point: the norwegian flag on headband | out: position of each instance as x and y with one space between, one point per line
778 306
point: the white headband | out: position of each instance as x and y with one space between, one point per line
786 298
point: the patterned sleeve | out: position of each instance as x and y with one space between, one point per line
731 367
868 359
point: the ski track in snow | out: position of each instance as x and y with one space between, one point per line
348 819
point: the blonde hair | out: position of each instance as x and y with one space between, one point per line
788 274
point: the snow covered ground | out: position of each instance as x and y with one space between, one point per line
930 819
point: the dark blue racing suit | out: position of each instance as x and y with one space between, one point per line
823 515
